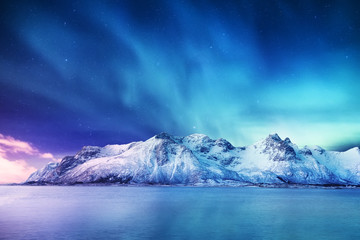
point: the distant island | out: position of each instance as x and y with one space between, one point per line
197 160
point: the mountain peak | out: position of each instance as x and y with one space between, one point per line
275 137
87 152
197 135
354 150
224 143
163 135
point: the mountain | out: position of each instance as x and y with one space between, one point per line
198 160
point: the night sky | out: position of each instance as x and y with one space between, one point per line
76 73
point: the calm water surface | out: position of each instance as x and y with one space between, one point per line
112 212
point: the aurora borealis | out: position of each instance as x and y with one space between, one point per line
76 73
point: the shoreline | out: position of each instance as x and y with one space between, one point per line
233 185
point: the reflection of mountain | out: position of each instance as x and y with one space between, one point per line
199 160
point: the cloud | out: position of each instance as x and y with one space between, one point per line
14 171
11 145
48 155
13 167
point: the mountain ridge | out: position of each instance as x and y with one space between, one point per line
199 160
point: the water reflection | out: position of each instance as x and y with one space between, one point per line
83 212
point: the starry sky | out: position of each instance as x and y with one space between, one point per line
75 73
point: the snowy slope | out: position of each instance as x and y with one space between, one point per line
197 159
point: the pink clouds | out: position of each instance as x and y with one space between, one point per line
13 169
48 155
12 145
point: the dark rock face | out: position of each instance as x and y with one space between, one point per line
306 152
320 150
70 162
88 152
279 150
66 164
161 153
113 178
163 135
224 144
204 150
227 161
274 137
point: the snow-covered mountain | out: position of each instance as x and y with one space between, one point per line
199 160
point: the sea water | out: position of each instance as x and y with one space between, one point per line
120 212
